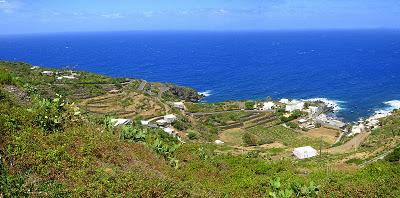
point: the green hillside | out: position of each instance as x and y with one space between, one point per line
57 140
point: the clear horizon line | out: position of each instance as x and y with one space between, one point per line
206 30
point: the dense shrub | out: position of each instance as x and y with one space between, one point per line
292 125
249 104
394 156
49 114
181 124
134 134
5 77
249 139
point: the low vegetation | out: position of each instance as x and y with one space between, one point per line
51 147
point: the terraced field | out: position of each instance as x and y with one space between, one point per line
125 104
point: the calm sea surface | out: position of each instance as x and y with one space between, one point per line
358 69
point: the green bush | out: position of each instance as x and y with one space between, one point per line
133 134
394 156
292 125
181 124
295 190
249 139
249 105
5 77
49 114
192 135
296 114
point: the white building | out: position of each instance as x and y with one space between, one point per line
170 118
219 142
284 101
161 122
268 106
294 105
169 131
120 121
49 73
144 122
179 105
302 120
69 77
305 152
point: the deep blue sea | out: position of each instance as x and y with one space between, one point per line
359 69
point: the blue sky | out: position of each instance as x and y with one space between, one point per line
32 16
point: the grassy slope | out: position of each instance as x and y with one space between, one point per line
85 158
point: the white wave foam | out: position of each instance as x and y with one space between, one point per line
394 104
206 93
381 113
334 104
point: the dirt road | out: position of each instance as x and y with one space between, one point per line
351 145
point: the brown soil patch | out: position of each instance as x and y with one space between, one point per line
273 145
328 135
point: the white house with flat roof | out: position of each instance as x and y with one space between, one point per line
170 118
179 105
268 106
48 73
169 131
144 122
294 105
305 152
121 121
161 122
284 101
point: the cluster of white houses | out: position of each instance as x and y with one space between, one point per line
60 75
315 112
164 123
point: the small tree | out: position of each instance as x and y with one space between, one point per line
249 139
249 104
394 156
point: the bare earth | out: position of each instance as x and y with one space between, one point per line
328 135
